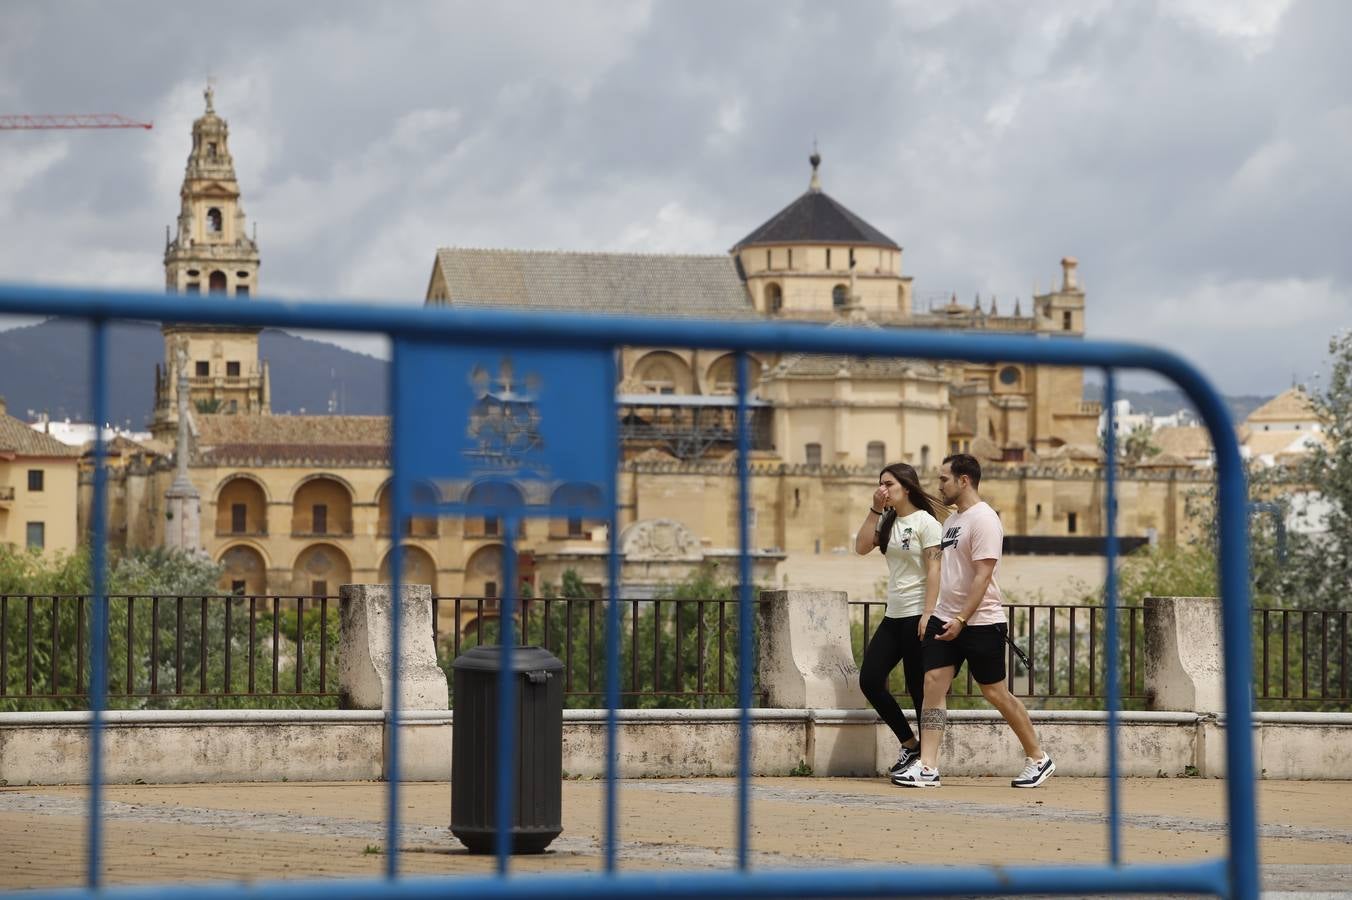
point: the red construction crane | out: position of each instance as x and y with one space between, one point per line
98 120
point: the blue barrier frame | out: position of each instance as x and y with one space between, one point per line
1235 876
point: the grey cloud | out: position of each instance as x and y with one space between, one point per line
988 139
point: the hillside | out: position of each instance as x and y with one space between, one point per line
45 368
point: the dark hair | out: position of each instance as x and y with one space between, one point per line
919 497
964 464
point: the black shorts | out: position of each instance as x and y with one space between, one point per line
981 646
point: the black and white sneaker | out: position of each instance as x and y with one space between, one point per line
917 775
907 756
1035 771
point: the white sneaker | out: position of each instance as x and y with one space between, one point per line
917 775
1035 771
907 756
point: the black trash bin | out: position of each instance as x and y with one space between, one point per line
537 812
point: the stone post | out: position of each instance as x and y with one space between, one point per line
1184 671
364 649
806 662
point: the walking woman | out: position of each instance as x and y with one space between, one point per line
902 522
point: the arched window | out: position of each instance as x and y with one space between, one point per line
877 454
213 221
216 283
774 298
840 295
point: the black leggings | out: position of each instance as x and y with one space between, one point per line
894 641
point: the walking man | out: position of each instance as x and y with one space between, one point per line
968 623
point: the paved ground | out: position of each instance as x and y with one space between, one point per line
293 830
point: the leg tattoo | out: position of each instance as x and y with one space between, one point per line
933 719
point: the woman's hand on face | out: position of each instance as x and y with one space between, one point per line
881 498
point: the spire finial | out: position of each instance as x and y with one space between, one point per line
210 94
815 185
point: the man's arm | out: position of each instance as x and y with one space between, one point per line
931 588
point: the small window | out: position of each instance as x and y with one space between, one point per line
924 458
1071 523
211 150
1009 376
241 290
192 287
491 589
814 454
238 588
877 454
319 518
774 297
840 295
851 257
203 369
238 518
35 479
232 369
790 257
828 257
319 588
574 527
1038 511
768 259
1066 320
233 407
216 282
37 535
491 527
213 221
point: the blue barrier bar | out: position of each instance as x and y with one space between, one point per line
399 502
98 632
1236 876
1110 592
1208 877
506 765
745 656
611 801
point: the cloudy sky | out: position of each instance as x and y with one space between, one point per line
1193 155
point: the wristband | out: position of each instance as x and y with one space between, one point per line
876 512
961 620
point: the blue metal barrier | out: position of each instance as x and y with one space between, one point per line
451 331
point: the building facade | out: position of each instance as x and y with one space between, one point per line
38 489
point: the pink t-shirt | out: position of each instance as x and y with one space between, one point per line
968 536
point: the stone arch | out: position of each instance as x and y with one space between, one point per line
575 526
245 569
414 526
721 376
216 282
774 298
840 296
241 505
319 570
663 372
419 567
322 504
498 494
214 219
483 573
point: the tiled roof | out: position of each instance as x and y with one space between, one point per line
1290 405
705 287
1187 441
280 440
18 439
1273 443
816 218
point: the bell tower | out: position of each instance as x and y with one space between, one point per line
210 253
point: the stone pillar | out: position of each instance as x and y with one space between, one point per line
805 657
1184 671
364 649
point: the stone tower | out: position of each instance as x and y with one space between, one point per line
212 254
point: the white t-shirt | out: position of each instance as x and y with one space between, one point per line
969 536
906 564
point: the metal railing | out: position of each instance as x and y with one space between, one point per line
1292 643
430 340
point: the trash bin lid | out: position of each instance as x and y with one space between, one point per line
488 658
